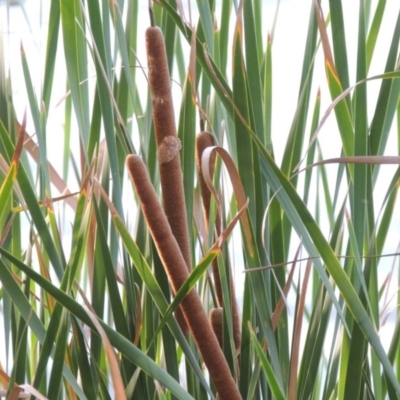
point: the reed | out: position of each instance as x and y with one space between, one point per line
177 272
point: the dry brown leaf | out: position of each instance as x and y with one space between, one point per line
292 394
15 394
236 185
113 363
138 322
372 160
324 37
32 148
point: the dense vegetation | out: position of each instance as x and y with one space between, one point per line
107 278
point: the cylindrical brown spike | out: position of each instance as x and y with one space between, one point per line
175 267
216 318
168 146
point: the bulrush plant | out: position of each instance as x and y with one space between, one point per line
168 145
204 140
62 245
177 271
173 252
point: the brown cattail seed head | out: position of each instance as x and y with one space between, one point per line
175 267
160 85
216 317
168 144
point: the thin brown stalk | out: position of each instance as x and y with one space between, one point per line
168 146
177 272
204 140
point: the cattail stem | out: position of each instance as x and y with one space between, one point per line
176 269
204 140
151 13
168 146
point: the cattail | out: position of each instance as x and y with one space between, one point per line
168 146
177 272
216 318
204 140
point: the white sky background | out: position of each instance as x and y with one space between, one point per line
288 49
289 35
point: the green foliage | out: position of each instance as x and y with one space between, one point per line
85 304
